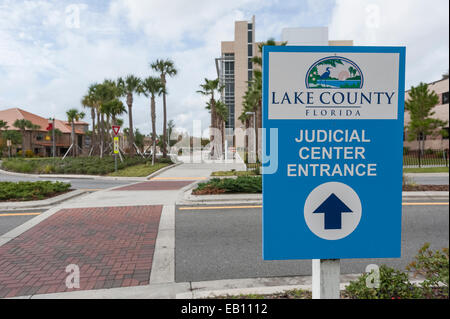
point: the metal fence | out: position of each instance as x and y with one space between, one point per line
426 158
411 158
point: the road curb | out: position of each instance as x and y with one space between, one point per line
189 199
72 176
201 289
42 203
162 170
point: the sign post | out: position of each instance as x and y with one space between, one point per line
332 156
116 130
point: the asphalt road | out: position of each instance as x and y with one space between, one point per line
226 244
10 220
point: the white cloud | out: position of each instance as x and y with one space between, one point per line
46 65
421 26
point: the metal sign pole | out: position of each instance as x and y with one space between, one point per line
326 278
53 138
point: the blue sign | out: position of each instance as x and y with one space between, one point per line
332 151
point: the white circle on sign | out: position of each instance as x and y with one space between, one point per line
332 210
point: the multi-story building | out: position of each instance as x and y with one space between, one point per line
436 141
39 140
235 67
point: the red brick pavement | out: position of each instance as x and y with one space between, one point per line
155 186
112 246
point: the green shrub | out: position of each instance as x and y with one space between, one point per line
78 165
434 266
29 153
241 184
165 160
24 191
394 284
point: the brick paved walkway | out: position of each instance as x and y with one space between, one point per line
155 186
113 247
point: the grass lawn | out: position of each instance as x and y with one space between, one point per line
426 170
140 170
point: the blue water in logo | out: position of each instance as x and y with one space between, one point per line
339 84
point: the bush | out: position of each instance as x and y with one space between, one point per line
241 184
29 153
78 165
434 266
24 191
165 160
394 284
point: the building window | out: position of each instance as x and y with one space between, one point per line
250 64
250 26
229 68
250 36
250 75
250 50
445 98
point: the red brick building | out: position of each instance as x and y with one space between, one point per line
40 140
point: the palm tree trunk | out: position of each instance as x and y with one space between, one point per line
212 139
164 150
153 114
23 143
258 126
222 128
102 132
74 149
130 119
93 138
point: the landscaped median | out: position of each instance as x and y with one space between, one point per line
253 185
28 191
241 184
130 167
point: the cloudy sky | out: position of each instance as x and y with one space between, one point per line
51 51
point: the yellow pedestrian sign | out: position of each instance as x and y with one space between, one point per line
116 145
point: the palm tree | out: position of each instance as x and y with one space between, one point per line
209 88
23 125
102 93
253 96
170 127
90 102
3 125
165 68
73 115
222 115
114 108
127 87
152 86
